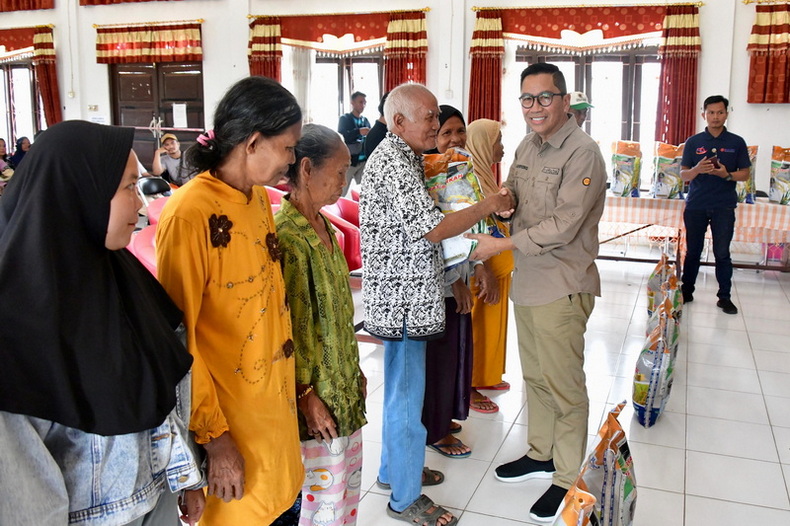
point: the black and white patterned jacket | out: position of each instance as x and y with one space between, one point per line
403 276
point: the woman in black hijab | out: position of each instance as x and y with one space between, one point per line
22 147
89 428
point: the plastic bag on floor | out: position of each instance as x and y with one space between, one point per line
604 493
655 370
670 290
660 274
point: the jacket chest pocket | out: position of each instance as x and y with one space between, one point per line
543 194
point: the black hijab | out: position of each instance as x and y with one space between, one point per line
445 112
86 334
19 153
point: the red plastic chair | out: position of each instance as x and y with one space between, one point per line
275 195
348 209
155 209
352 248
355 195
142 246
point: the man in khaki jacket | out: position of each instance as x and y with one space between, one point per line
558 180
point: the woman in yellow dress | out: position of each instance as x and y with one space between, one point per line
218 258
490 309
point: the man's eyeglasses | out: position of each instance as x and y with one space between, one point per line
544 99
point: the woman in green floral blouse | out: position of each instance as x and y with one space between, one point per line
330 387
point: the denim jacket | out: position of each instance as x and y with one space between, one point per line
117 479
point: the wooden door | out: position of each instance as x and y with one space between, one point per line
146 91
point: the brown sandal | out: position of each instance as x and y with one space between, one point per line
417 513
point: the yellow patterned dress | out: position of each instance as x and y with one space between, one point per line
217 257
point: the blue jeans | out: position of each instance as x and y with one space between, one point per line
403 434
722 225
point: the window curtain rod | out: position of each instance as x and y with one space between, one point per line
747 2
157 23
582 6
423 10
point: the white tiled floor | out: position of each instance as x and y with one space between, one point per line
719 455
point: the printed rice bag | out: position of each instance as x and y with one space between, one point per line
660 274
669 290
654 373
668 309
454 186
779 191
745 189
626 169
604 493
667 183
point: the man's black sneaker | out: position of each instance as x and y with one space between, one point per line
547 506
524 469
688 297
727 306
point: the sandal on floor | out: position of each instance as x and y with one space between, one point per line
501 386
418 513
475 405
430 477
441 449
454 430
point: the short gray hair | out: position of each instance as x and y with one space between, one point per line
404 100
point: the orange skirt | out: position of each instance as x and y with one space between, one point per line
489 325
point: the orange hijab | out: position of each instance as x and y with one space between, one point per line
481 135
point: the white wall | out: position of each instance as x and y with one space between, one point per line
724 64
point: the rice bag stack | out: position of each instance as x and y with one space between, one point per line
779 192
667 183
604 493
453 185
655 370
746 189
626 169
660 274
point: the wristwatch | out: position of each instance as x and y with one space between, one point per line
729 177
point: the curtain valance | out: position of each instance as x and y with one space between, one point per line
154 42
583 29
25 5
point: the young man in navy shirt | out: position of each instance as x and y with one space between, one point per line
719 159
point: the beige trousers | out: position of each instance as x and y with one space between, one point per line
551 348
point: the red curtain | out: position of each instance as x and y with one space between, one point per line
25 5
165 42
769 45
312 28
485 82
407 45
47 74
17 38
109 2
264 51
614 21
679 51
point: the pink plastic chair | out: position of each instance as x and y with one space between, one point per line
142 246
355 195
155 209
275 195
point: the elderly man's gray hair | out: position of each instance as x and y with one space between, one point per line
405 99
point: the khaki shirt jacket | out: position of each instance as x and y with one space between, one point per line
559 186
